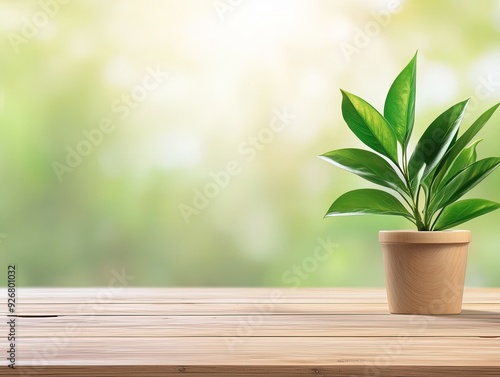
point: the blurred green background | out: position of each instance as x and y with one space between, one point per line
186 88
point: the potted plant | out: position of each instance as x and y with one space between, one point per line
425 269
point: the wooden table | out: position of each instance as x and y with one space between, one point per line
246 332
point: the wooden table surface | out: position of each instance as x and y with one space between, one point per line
246 332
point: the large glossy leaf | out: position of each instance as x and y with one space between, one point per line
399 109
464 210
465 158
368 165
461 143
462 182
369 125
367 201
435 142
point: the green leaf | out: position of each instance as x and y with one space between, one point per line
399 109
462 141
435 142
369 125
462 182
467 157
429 180
367 201
464 210
367 165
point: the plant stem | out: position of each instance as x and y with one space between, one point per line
406 200
420 224
418 197
436 219
414 201
405 162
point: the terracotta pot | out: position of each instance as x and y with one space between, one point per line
425 271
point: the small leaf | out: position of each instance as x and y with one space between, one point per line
462 182
399 109
367 201
464 210
368 165
462 141
369 125
465 158
435 141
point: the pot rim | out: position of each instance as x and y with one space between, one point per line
428 237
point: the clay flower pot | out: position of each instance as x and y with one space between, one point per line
425 271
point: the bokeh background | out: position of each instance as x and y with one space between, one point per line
188 90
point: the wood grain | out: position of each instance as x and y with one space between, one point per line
248 332
220 309
260 324
102 295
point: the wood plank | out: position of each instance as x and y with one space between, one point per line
199 295
94 309
256 371
274 352
203 309
224 295
258 326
